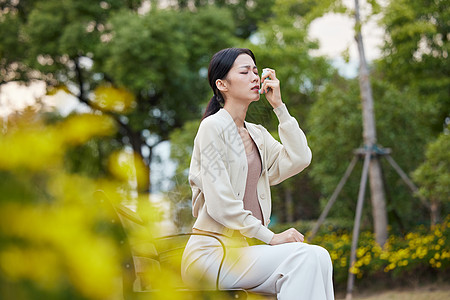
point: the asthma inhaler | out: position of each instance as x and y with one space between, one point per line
263 73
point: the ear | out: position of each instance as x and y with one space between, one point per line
221 85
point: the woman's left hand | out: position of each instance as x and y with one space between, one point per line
288 236
271 87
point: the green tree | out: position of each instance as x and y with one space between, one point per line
246 14
152 65
415 53
433 176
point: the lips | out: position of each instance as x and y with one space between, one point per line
256 87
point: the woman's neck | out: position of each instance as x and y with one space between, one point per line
238 111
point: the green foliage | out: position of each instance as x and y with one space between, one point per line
182 142
282 43
246 15
10 26
159 57
83 46
415 52
90 159
433 175
56 31
313 9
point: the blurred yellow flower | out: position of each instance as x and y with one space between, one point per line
60 245
39 265
78 129
38 147
114 99
128 167
343 261
31 148
53 90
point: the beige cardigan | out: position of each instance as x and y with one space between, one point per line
218 172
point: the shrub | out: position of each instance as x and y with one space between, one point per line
423 249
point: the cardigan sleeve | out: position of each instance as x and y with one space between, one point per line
292 155
221 202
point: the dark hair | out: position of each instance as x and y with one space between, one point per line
219 67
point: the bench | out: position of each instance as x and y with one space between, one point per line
147 259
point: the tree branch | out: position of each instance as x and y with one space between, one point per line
79 77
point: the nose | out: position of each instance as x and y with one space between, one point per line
255 77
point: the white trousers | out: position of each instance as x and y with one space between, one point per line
291 271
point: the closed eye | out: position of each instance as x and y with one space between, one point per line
246 68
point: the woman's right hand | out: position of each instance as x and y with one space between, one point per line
271 87
289 236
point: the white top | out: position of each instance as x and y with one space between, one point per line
219 168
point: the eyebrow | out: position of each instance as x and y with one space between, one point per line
248 67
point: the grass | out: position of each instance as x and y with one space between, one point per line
428 292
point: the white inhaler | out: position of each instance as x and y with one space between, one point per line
263 73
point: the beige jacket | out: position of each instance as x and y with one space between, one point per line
218 172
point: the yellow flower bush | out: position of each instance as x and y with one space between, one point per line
49 238
423 249
57 240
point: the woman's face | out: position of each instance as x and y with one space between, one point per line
242 81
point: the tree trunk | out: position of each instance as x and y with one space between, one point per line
434 213
378 201
289 205
143 182
370 139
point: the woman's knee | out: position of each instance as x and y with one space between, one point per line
311 254
323 256
317 254
321 251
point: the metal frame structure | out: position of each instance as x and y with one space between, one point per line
366 154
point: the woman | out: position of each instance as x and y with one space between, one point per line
233 164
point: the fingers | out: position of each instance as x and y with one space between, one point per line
302 238
268 79
268 73
289 236
294 236
271 87
269 84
